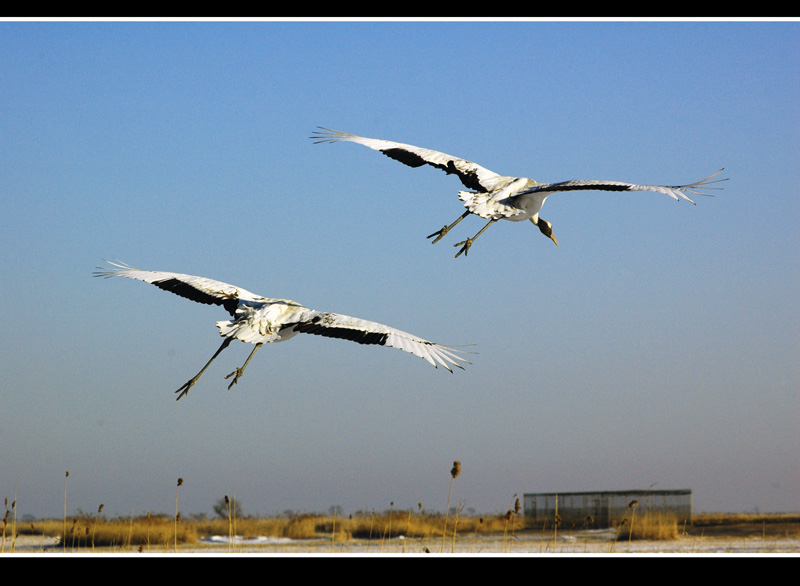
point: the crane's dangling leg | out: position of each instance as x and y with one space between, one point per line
185 388
240 371
446 229
468 242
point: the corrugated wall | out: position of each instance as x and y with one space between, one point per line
605 508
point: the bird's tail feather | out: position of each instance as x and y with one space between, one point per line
244 331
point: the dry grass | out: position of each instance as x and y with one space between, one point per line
162 533
422 531
774 525
649 526
148 533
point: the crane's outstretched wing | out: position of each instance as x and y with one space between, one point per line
472 175
309 321
363 331
198 289
674 191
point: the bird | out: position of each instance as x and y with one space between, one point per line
497 197
263 320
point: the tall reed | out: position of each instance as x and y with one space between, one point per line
517 509
587 523
557 522
475 533
622 523
233 516
391 510
333 531
5 524
64 536
504 543
180 482
14 522
632 507
454 472
94 525
231 532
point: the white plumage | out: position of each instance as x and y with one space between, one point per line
497 197
261 320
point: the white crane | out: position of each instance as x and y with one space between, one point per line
497 197
261 320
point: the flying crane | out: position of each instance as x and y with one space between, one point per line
262 320
496 197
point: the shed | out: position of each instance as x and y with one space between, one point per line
606 508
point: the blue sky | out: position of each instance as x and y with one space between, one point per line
657 345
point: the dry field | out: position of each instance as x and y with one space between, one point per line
404 532
394 532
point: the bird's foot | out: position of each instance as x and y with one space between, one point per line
439 234
185 388
465 249
235 374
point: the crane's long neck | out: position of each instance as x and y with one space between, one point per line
544 226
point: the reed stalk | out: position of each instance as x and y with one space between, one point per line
94 525
517 509
64 537
383 538
632 507
333 531
586 524
230 524
14 523
622 523
5 523
454 472
455 526
232 516
180 482
555 526
475 534
503 544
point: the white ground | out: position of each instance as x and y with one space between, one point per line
593 543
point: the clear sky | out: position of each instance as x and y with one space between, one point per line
657 345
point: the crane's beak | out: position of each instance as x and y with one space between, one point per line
553 238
